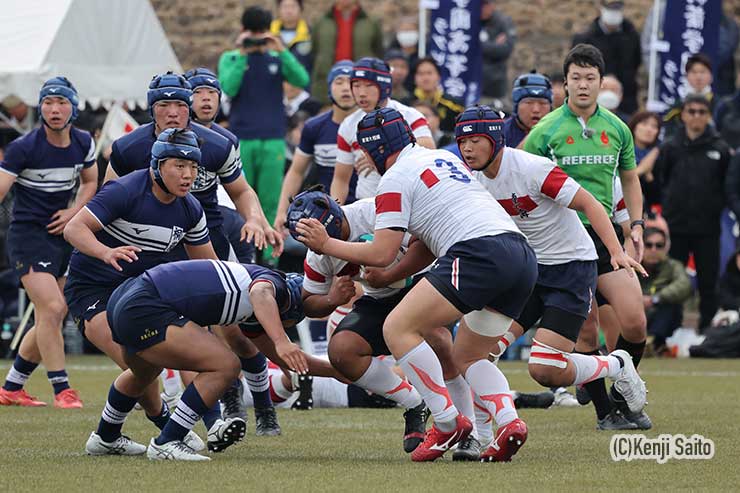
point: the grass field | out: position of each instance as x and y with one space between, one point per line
360 450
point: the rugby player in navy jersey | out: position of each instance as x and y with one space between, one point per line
132 224
44 165
169 98
160 318
204 109
319 143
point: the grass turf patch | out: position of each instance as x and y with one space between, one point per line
360 449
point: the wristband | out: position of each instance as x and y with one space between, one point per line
637 222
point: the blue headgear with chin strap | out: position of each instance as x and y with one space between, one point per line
315 203
173 143
383 132
376 71
339 69
60 87
168 87
481 121
294 312
532 85
202 77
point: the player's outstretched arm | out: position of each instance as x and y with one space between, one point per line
380 252
262 296
340 183
204 251
587 204
633 200
416 258
80 233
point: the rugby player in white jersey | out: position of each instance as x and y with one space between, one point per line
484 273
542 200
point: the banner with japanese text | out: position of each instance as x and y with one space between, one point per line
689 27
455 46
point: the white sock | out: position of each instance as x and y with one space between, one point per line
171 381
483 421
462 398
590 368
491 385
422 368
380 379
503 344
281 391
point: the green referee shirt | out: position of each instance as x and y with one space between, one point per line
590 152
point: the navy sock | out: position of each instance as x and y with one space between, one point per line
58 380
258 380
160 420
114 414
19 374
635 349
597 390
189 410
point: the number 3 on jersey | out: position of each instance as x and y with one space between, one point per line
430 178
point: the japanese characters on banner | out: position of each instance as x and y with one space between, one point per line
690 26
455 46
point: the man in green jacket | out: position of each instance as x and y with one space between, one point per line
252 76
664 291
345 32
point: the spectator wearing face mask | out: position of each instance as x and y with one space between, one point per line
610 96
619 42
407 41
399 64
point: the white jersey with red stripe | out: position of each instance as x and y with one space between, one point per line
319 270
620 214
348 150
432 195
536 194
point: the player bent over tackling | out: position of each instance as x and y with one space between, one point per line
160 319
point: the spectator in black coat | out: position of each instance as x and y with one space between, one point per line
619 42
692 166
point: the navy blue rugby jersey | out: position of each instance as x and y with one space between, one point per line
220 161
45 175
131 215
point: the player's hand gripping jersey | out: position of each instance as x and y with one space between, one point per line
321 269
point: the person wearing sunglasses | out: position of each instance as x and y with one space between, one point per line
692 166
664 290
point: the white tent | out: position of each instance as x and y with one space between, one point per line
109 49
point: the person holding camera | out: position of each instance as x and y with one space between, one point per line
252 76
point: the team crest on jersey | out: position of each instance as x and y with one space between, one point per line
570 140
273 68
176 237
204 180
604 138
520 209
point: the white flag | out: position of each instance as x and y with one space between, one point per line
117 124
